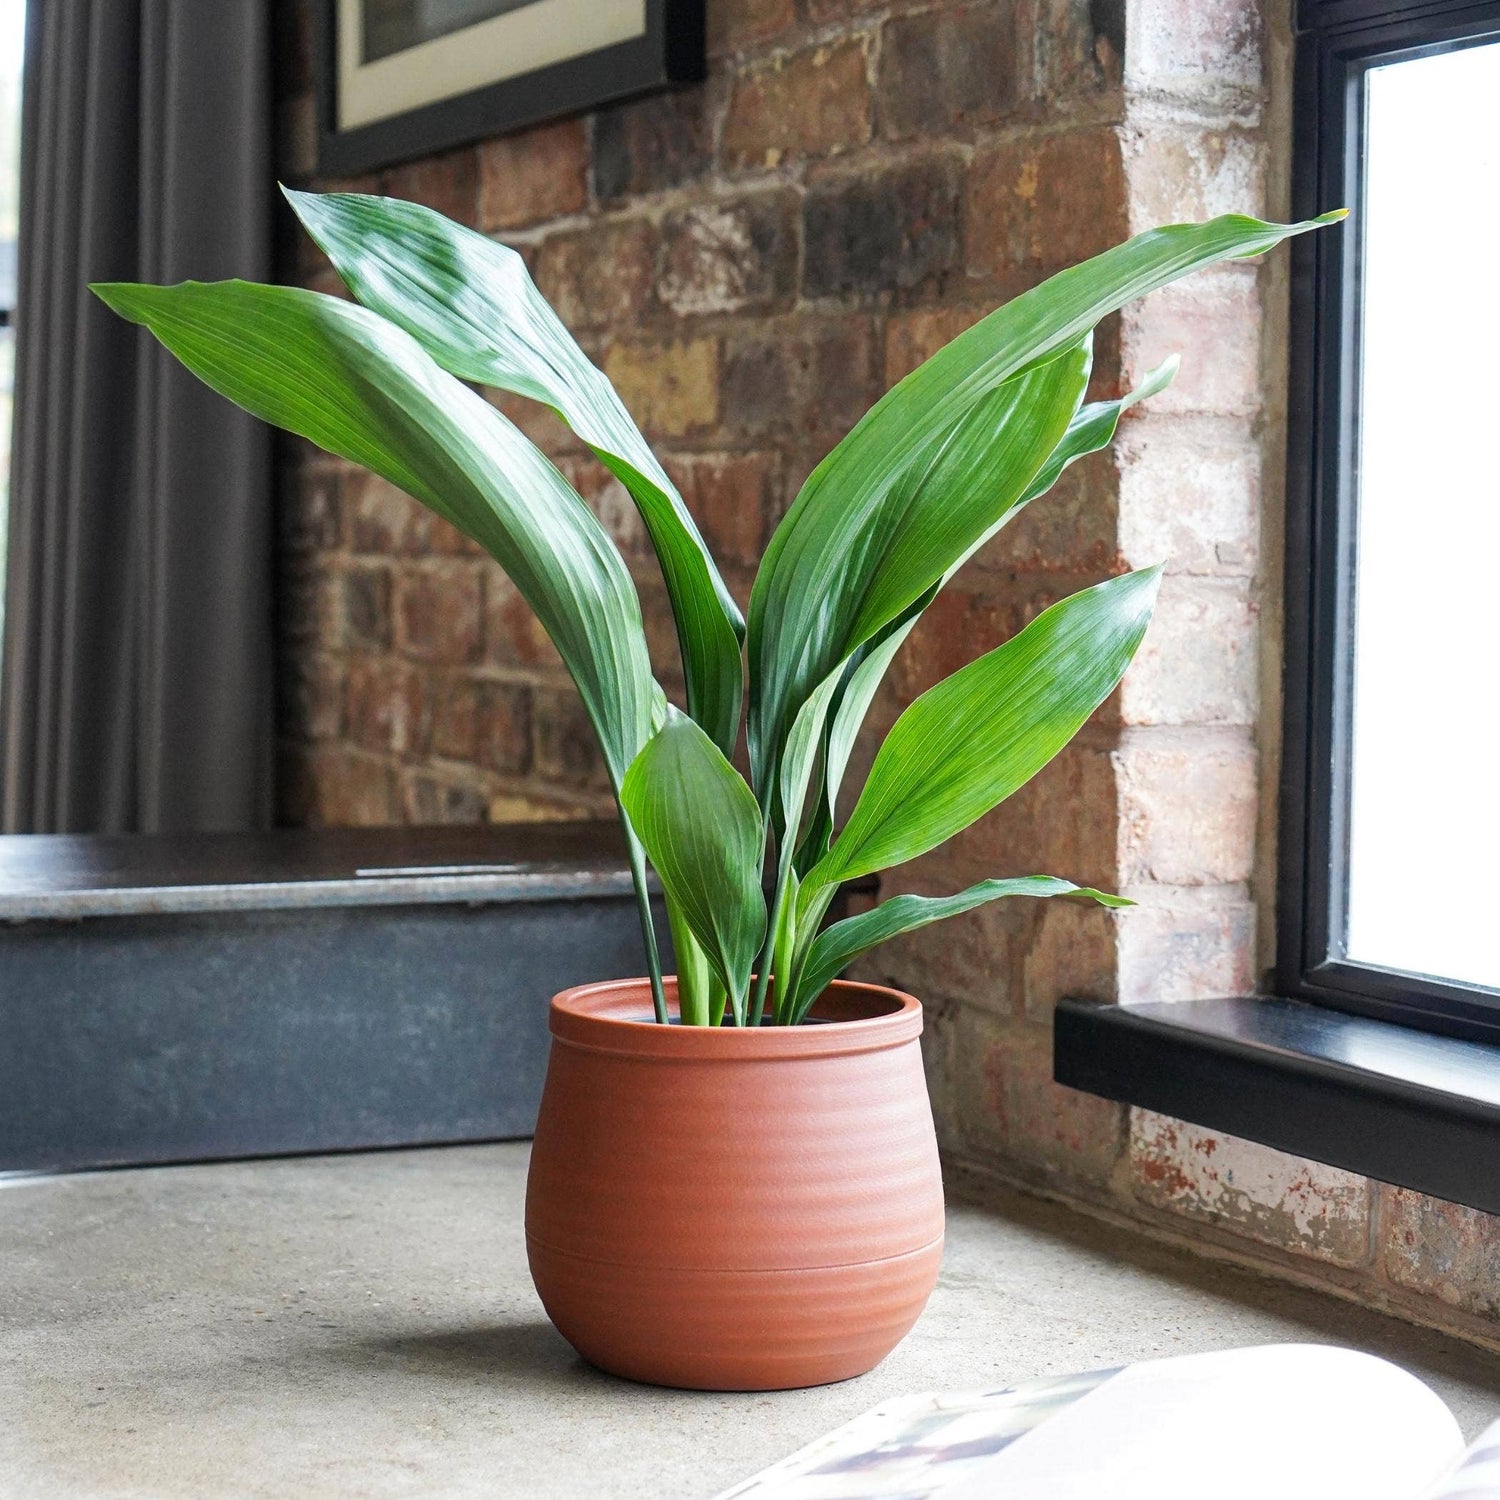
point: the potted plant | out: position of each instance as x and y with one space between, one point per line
749 1198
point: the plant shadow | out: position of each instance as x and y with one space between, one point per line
530 1352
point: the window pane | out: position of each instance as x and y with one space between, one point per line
1425 797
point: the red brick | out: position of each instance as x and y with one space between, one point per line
537 175
874 232
448 183
310 604
513 636
1079 49
504 726
913 337
564 744
807 377
728 495
385 705
1300 1206
946 71
653 144
1192 944
366 597
739 23
432 799
1043 204
308 509
310 692
332 786
670 387
728 256
1444 1251
808 103
439 613
600 276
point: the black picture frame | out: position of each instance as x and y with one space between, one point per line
1338 40
671 52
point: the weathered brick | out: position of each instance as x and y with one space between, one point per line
728 256
564 745
800 377
1072 530
872 232
1073 954
504 728
671 388
947 71
1185 945
1014 1106
802 104
537 175
1443 1250
1199 661
545 806
727 495
426 798
1079 50
739 23
652 144
912 337
1196 48
447 183
1188 806
1300 1206
333 786
1213 320
439 612
513 636
600 276
386 705
310 604
1044 203
610 501
1177 173
1189 494
366 599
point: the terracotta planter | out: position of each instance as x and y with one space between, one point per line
734 1209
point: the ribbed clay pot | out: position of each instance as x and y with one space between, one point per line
734 1209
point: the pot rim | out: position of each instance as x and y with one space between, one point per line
615 1016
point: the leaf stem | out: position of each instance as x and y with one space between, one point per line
648 924
763 963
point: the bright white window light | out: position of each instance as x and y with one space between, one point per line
1425 802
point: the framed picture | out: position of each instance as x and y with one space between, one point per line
402 78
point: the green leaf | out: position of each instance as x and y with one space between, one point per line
354 384
836 947
843 566
471 303
968 743
701 826
806 598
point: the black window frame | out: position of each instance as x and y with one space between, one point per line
1338 41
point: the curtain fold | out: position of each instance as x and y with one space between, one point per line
135 688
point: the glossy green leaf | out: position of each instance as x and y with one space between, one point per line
353 383
836 947
701 826
838 571
471 303
973 739
806 598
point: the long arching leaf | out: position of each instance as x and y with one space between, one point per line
701 826
471 303
838 946
854 563
968 743
360 387
805 600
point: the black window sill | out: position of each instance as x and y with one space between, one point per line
1406 1107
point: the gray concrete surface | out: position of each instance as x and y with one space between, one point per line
364 1326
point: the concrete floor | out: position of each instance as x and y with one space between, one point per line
364 1326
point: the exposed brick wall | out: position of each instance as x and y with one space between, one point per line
753 262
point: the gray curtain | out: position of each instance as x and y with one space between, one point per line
135 693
